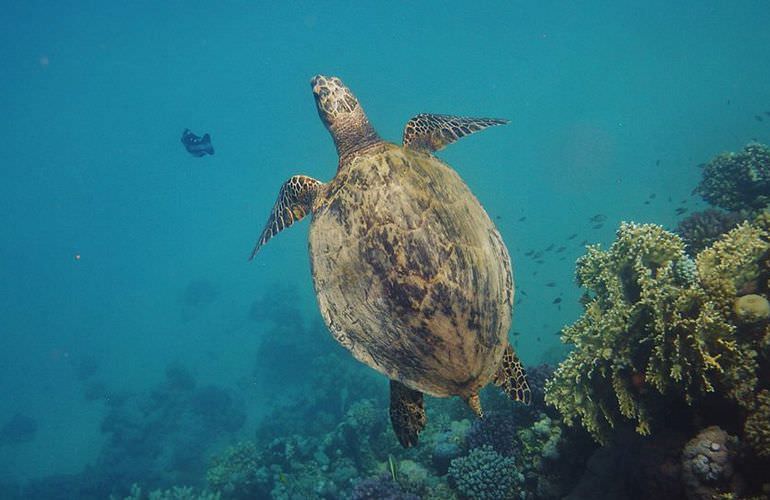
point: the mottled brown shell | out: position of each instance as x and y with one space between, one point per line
411 274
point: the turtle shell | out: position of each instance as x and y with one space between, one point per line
410 273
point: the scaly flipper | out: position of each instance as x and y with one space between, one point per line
427 132
407 414
294 202
510 377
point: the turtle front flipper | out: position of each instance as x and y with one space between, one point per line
294 202
510 377
428 132
407 413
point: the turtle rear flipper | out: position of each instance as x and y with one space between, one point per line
407 413
294 202
510 377
429 132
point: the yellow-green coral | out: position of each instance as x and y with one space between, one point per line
752 308
646 332
757 426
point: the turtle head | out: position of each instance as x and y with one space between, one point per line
343 116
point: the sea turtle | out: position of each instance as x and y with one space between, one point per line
410 273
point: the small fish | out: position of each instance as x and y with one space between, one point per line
523 292
529 253
538 255
680 210
561 249
700 165
550 247
550 284
598 226
516 334
518 301
558 332
758 118
646 202
598 218
572 236
522 219
652 196
584 243
538 339
657 163
683 202
557 300
767 113
540 261
728 102
197 146
669 199
498 217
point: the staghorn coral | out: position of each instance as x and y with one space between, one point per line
738 181
701 229
707 465
484 474
646 334
757 426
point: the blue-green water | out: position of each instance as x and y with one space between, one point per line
122 254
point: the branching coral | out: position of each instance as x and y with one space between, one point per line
702 229
646 333
737 181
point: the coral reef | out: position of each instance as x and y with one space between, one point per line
648 339
707 465
752 308
484 474
175 493
738 181
757 426
382 487
701 229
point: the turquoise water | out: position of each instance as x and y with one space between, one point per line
122 254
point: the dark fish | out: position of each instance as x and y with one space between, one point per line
557 300
598 218
550 247
598 226
758 118
558 332
700 165
561 258
767 113
529 253
518 301
657 163
522 219
584 243
516 334
646 202
652 196
550 284
728 102
561 249
523 292
683 202
540 261
498 217
680 210
538 339
538 255
572 236
197 146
